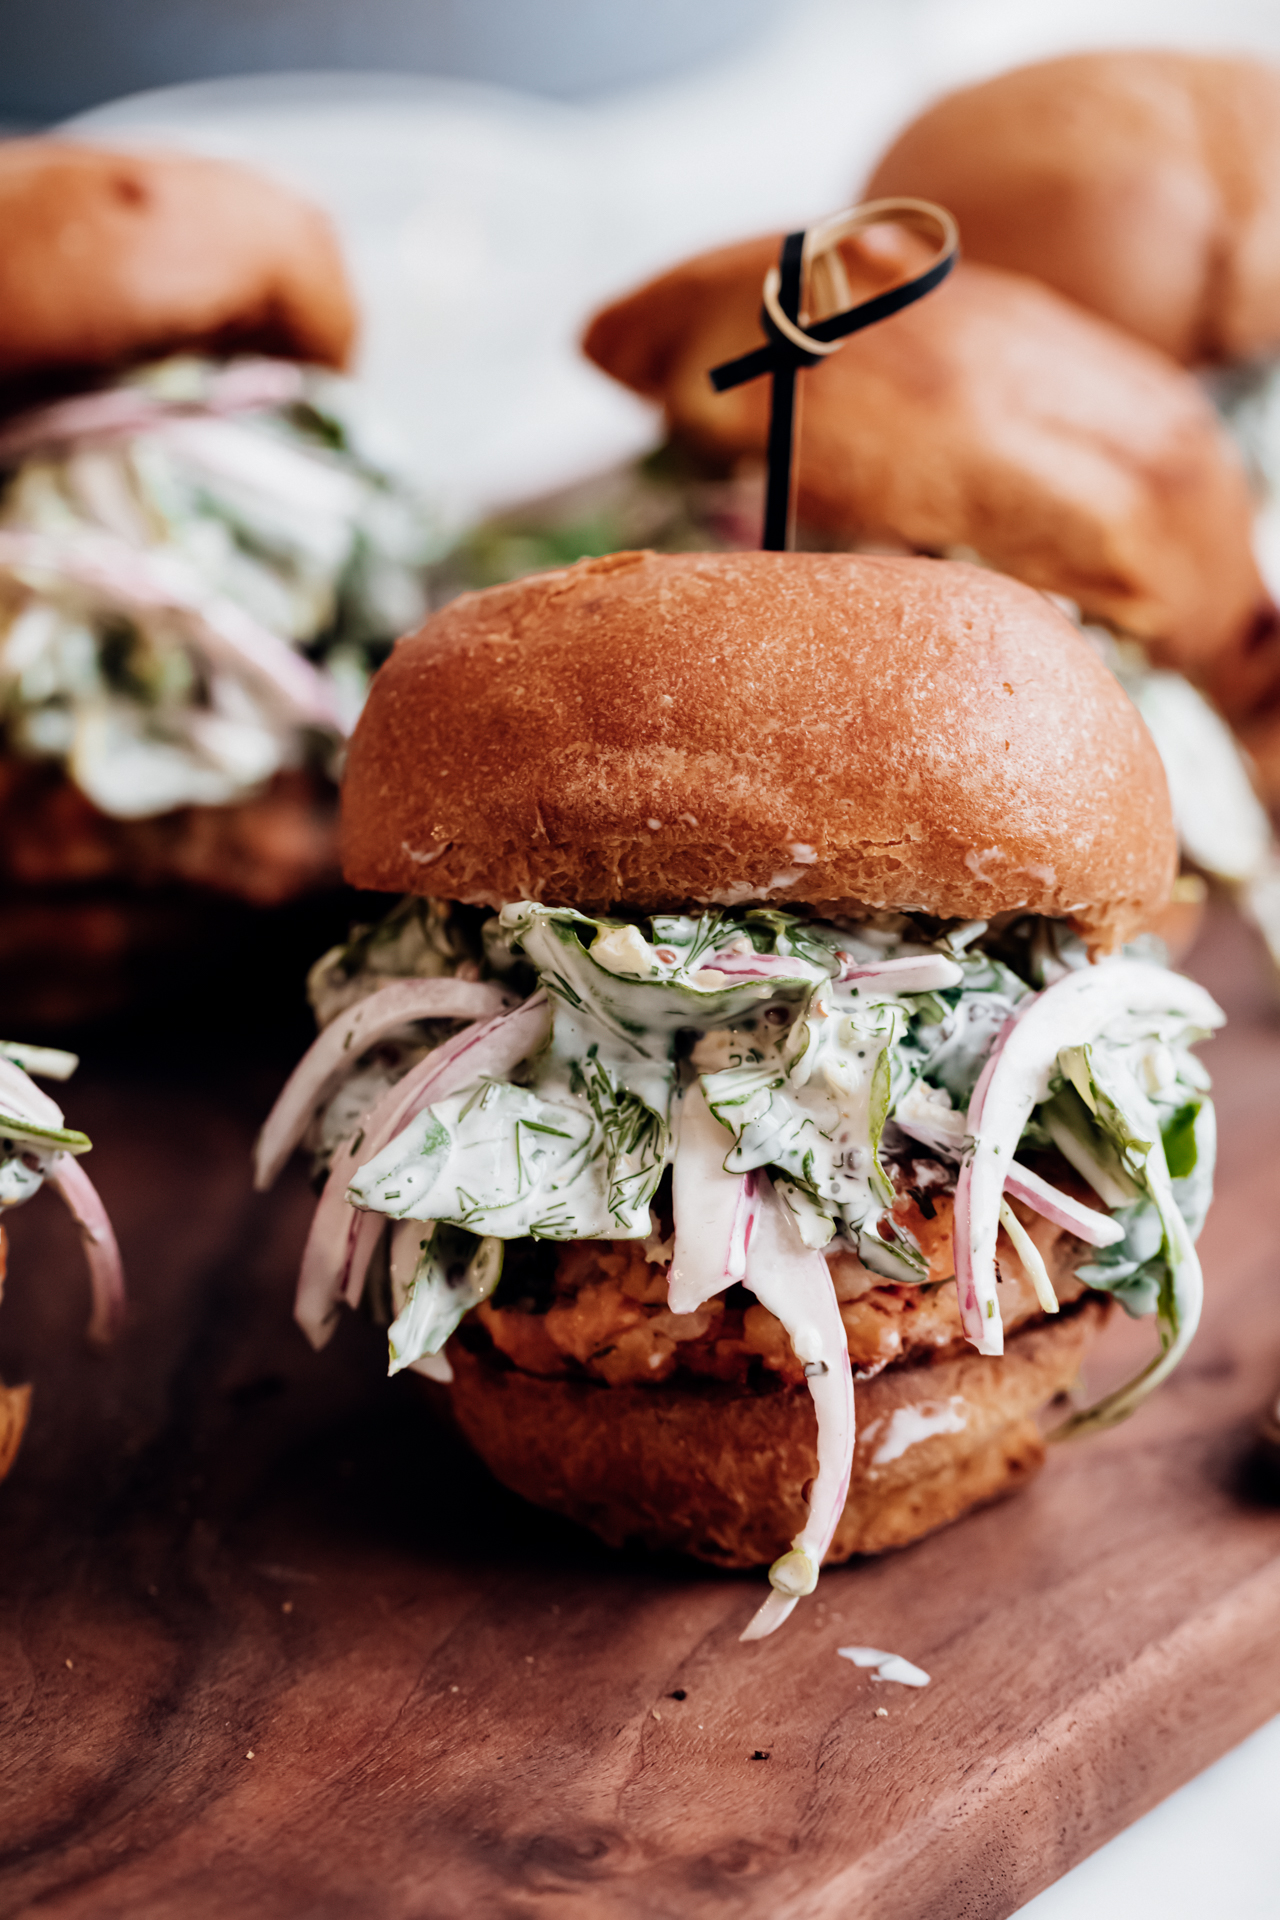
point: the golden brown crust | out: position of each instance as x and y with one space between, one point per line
720 1472
830 730
108 258
993 416
1145 185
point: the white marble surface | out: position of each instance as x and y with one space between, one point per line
483 227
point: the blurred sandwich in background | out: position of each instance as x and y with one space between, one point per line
200 564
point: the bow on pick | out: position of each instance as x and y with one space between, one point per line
813 256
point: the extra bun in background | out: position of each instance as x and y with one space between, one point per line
839 731
111 258
994 417
1145 185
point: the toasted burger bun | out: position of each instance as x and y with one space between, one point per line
1144 185
720 1472
108 258
659 731
993 416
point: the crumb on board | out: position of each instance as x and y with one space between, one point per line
759 1754
882 1713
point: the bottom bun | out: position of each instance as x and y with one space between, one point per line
266 849
15 1403
720 1473
70 956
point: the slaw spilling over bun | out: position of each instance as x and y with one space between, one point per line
37 1146
200 560
782 895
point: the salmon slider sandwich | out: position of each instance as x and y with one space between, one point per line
200 562
768 1011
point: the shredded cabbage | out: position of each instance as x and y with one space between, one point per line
199 569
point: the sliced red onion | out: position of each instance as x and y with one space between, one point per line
326 1062
88 416
106 1270
913 973
1087 1223
253 386
246 386
1071 1012
141 580
794 1283
362 1244
713 1209
20 1096
330 1258
762 966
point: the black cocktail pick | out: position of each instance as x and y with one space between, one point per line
790 346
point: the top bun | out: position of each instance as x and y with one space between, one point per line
664 731
993 416
1144 185
109 258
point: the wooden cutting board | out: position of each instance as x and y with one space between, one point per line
271 1644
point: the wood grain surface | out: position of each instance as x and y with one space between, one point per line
272 1644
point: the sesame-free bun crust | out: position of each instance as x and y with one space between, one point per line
1145 185
994 416
720 1472
839 731
109 258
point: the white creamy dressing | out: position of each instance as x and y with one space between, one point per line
907 1427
